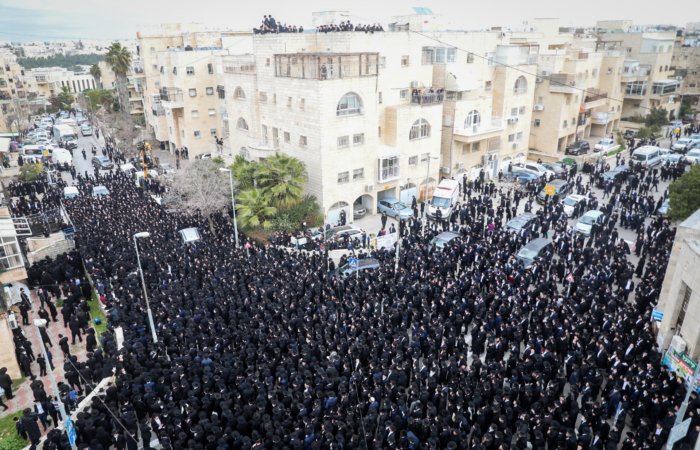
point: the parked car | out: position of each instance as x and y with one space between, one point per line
522 176
630 133
443 238
561 189
693 155
98 191
395 208
85 130
673 158
694 138
341 231
681 145
570 202
578 148
164 168
534 249
604 145
535 168
619 173
101 162
358 211
346 271
585 223
203 156
558 169
664 209
675 124
521 221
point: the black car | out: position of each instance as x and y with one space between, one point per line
101 162
578 148
561 190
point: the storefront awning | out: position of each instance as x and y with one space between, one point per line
460 79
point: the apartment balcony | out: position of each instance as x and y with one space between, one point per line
635 72
601 118
158 110
577 56
32 95
239 64
565 83
426 98
612 53
4 84
594 98
171 97
326 66
136 99
52 85
495 125
41 79
5 96
138 68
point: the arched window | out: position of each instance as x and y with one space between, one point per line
242 124
244 153
350 104
239 93
473 118
338 205
420 129
520 86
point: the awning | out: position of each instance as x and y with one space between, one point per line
460 79
387 151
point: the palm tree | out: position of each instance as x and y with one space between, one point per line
118 58
97 75
253 209
281 178
244 172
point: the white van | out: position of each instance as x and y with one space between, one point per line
128 169
444 198
62 158
70 192
648 155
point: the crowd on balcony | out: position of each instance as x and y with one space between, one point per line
348 26
270 25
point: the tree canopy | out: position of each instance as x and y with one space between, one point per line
60 60
656 116
684 197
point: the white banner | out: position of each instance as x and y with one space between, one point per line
387 241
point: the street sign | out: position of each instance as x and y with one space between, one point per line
678 432
247 245
353 263
550 190
73 437
570 278
657 315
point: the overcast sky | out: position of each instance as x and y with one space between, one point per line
82 19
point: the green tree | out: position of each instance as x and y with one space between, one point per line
253 209
29 172
96 74
281 178
60 60
244 172
657 116
104 99
685 194
65 98
118 58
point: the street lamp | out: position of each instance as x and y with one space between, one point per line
143 283
427 185
40 323
233 202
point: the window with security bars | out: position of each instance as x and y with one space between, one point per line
684 308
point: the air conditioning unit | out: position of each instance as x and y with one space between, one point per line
459 166
539 108
546 73
445 169
679 78
12 320
447 121
415 84
513 120
369 188
539 79
516 145
678 344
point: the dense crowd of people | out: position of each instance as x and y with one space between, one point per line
270 25
462 347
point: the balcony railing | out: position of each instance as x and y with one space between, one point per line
41 79
496 124
32 94
239 64
170 94
158 110
565 83
637 71
594 95
138 66
426 99
601 118
3 84
4 96
577 56
52 85
326 66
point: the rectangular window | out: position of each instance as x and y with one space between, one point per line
154 67
403 94
573 122
514 111
195 113
174 70
210 91
475 147
263 97
212 112
519 136
221 91
388 168
343 141
358 139
404 61
275 138
488 86
343 177
183 133
424 158
212 132
522 110
566 124
193 92
427 55
382 62
358 174
289 102
153 49
190 71
568 100
439 55
210 68
287 137
380 131
470 58
274 99
302 141
380 98
687 294
197 135
264 132
302 104
537 122
466 148
451 55
267 62
511 137
413 160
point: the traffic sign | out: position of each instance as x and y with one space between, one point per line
353 263
678 432
247 245
71 431
570 278
550 190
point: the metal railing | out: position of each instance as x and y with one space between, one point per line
389 173
326 67
3 84
594 95
168 94
425 99
158 111
138 66
4 96
239 64
496 124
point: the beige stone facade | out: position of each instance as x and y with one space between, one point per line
16 84
135 85
686 62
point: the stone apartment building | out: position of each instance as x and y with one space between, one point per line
686 65
16 84
135 86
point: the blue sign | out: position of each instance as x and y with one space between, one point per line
657 315
353 263
71 431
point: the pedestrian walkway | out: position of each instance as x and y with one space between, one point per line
23 396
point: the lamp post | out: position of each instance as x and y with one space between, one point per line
233 202
64 417
143 283
427 185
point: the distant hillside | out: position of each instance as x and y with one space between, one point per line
67 62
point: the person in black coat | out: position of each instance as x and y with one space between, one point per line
6 383
31 426
26 365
